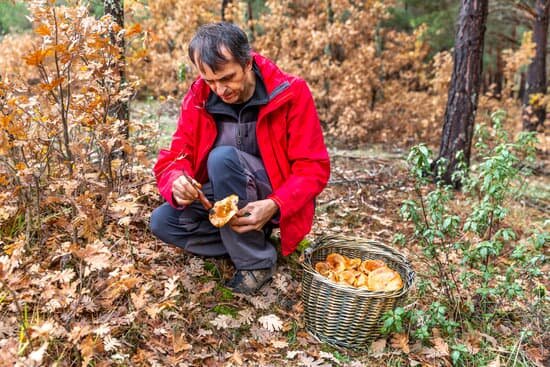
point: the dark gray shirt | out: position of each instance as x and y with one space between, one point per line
236 123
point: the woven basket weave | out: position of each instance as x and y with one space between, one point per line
342 315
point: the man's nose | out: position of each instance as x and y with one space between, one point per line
220 88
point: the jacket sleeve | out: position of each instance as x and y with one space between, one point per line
306 153
171 163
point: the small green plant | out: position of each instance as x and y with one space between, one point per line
225 310
463 238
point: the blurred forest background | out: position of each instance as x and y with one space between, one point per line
89 92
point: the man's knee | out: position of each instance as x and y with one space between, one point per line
157 223
221 159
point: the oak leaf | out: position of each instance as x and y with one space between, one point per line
222 322
377 347
179 343
271 322
400 341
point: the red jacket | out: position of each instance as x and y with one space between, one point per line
289 138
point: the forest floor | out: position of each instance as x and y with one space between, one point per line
127 299
191 319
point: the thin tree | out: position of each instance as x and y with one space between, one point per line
120 109
534 112
464 88
225 3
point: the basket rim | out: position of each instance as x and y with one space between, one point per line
368 245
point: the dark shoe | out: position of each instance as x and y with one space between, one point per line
250 281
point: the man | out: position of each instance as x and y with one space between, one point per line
249 129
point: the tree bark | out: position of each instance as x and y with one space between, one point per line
250 20
499 75
534 112
464 88
120 109
224 7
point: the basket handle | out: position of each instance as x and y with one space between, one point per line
315 244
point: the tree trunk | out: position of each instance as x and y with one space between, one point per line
534 113
464 88
250 20
120 109
499 75
224 7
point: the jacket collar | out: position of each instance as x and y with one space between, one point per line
214 104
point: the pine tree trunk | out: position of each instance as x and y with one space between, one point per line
120 109
499 75
464 88
534 113
225 3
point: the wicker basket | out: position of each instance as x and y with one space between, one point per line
341 315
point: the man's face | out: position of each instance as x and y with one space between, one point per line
231 82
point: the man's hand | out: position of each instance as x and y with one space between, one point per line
254 216
183 191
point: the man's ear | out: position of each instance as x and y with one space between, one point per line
248 65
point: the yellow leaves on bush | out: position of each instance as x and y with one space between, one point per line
133 30
47 87
43 30
35 58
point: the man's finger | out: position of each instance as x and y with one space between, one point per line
240 221
243 229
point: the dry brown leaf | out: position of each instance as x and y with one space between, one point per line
237 358
139 299
279 344
401 342
88 348
271 322
537 355
377 347
441 346
179 343
495 363
473 339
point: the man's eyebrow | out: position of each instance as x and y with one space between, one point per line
225 77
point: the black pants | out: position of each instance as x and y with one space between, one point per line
230 171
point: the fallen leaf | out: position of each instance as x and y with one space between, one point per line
179 343
495 363
400 341
236 357
377 348
279 344
472 342
441 346
537 355
222 322
38 355
271 322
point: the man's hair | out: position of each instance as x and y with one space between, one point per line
209 41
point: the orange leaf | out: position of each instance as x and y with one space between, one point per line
88 348
179 343
53 84
43 30
400 341
377 348
133 29
35 58
441 346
